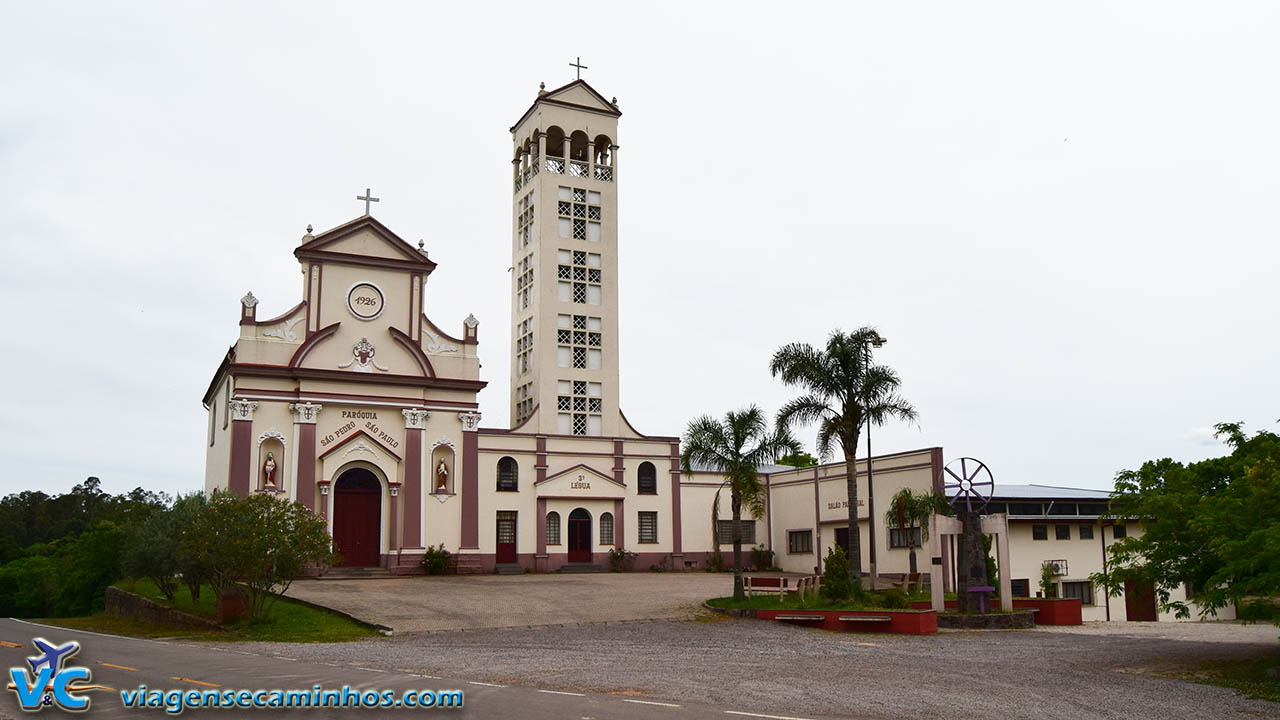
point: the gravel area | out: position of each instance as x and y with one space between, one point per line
1096 671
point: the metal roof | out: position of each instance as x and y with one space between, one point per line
1005 491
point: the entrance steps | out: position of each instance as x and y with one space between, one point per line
570 568
509 569
355 573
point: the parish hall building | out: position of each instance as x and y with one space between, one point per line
359 405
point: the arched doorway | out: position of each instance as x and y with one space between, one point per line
580 536
357 517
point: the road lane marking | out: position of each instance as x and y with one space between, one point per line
561 692
473 682
650 702
9 644
759 715
118 667
197 682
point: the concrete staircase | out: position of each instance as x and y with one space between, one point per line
572 568
509 569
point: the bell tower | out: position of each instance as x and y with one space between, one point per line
564 258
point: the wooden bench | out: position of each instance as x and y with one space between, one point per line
865 618
798 617
770 585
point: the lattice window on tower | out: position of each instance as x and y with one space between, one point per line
524 346
580 277
524 402
524 282
580 406
524 220
579 213
579 340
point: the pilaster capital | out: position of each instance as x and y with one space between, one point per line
470 421
305 413
241 409
415 418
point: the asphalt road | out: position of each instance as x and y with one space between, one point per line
126 663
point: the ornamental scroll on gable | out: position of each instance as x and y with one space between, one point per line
362 358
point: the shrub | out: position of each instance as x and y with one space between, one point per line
894 599
716 562
836 583
621 560
436 560
762 559
1046 580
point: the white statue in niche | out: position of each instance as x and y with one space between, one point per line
442 477
269 470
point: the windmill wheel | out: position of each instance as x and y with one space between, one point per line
971 481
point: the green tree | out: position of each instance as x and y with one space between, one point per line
261 543
843 389
151 551
1212 525
191 562
908 509
799 459
837 584
735 448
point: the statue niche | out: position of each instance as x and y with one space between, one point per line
271 465
443 468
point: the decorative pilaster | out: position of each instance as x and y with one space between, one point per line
240 471
304 420
619 526
324 499
415 421
248 309
393 544
676 543
470 480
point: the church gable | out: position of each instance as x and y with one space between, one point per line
580 481
580 93
363 239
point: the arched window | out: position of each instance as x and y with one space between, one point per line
508 475
648 477
553 528
606 528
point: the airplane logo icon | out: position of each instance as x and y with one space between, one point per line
55 656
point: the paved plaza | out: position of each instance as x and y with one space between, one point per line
469 602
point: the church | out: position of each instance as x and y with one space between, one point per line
363 408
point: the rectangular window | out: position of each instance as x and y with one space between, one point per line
606 529
1026 509
1062 532
1020 588
1086 532
648 527
581 405
1082 591
898 538
799 541
725 532
506 526
1039 532
553 528
1120 531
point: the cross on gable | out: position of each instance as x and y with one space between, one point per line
367 198
577 63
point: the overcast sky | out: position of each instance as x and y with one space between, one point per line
1062 216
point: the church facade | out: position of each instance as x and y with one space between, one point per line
360 406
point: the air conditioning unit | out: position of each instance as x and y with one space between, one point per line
1059 566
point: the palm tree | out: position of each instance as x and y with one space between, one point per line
843 390
909 510
735 448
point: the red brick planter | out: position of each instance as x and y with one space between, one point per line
1064 611
903 622
1052 611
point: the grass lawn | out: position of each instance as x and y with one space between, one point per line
287 621
1248 676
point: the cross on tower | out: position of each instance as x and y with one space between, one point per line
577 63
367 198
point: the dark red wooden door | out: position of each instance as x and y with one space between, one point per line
357 515
1139 601
579 536
506 537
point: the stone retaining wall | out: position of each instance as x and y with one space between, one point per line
1016 620
136 607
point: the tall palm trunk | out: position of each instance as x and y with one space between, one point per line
736 503
855 537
